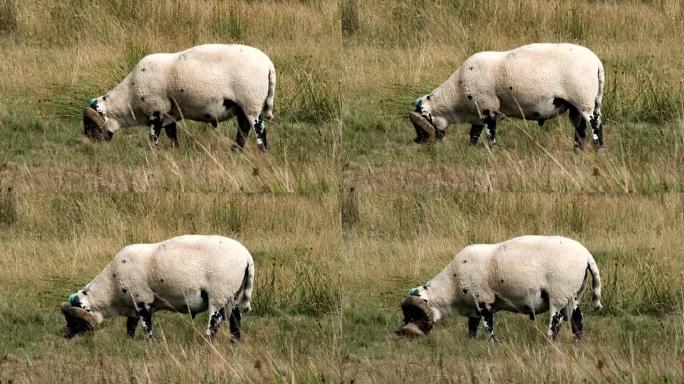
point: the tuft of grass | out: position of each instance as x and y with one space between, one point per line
8 16
8 206
349 210
349 17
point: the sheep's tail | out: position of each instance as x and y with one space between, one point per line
599 96
596 282
269 103
246 288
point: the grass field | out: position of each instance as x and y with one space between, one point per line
345 213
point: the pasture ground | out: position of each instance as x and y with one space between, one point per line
345 214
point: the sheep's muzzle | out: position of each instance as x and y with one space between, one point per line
418 319
425 131
78 320
93 126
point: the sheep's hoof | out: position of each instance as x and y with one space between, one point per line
263 148
236 147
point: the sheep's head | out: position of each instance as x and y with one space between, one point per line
94 123
78 316
423 120
418 317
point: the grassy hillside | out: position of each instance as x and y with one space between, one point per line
345 214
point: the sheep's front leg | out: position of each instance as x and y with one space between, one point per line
489 122
475 131
487 317
145 314
155 129
235 318
171 133
131 325
473 324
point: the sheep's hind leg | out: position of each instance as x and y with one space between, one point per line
597 130
580 124
473 324
260 130
555 321
146 316
216 315
131 325
576 320
235 318
244 126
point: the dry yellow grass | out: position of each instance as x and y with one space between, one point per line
345 214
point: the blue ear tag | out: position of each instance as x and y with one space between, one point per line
414 292
74 301
418 103
93 102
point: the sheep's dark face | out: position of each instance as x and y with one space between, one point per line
78 320
423 122
78 315
94 122
418 317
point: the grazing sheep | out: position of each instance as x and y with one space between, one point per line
533 82
528 274
209 83
189 274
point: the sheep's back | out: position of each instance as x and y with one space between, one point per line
184 264
526 265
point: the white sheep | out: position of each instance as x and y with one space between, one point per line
190 274
533 82
209 83
528 274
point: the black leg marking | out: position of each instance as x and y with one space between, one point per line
244 127
556 321
473 324
260 130
597 130
172 134
235 318
488 318
131 325
155 128
580 127
214 322
576 322
475 131
489 122
146 317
